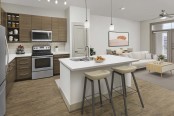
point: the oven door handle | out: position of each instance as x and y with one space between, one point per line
47 56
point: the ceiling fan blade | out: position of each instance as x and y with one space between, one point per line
151 19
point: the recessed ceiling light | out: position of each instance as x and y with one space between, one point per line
48 0
39 0
122 8
56 1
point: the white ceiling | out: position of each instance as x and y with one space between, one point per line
137 10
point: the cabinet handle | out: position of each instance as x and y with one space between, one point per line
24 74
24 63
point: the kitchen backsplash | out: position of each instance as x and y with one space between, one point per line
28 46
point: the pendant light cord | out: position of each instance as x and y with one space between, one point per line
86 10
111 12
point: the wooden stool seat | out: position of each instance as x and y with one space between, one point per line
124 69
98 74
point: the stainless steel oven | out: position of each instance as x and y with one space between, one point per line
42 62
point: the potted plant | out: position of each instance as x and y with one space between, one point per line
161 58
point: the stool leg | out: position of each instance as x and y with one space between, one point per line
124 95
125 86
136 85
112 82
112 104
93 98
99 86
84 91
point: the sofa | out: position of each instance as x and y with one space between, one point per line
143 56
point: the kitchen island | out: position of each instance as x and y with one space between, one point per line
72 76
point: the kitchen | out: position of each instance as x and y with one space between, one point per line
25 29
34 45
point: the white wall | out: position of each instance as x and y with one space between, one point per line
99 33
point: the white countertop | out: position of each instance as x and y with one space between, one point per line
12 56
109 60
61 52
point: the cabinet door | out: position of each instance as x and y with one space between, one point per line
55 35
3 18
11 76
25 35
25 28
46 23
55 27
62 30
25 21
24 68
36 22
56 67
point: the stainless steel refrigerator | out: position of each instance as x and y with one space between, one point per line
3 70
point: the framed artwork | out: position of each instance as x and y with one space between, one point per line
116 39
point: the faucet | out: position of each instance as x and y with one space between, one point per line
87 52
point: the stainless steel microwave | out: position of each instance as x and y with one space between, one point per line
40 35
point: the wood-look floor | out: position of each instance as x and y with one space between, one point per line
42 98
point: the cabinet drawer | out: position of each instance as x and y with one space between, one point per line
23 74
24 61
24 66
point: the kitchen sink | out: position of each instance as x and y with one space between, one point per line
82 59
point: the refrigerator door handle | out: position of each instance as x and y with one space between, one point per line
7 53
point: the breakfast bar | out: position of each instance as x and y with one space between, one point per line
72 76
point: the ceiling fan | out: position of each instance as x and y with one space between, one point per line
164 15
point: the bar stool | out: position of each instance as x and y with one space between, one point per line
122 70
92 76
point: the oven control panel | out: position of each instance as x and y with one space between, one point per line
41 47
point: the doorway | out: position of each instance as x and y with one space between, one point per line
79 40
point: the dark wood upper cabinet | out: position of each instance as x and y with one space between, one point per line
25 27
46 23
55 29
62 30
59 29
55 23
25 21
36 22
3 18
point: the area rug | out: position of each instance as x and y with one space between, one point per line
167 81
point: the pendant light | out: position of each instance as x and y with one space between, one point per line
86 24
65 3
111 27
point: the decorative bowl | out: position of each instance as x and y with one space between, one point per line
99 59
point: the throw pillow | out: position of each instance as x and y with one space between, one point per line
155 57
148 56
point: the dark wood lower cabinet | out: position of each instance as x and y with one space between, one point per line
11 75
56 63
24 70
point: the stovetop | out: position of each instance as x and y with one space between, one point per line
41 54
41 50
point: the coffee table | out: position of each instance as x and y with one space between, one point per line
160 67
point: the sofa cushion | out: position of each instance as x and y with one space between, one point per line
142 63
139 55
